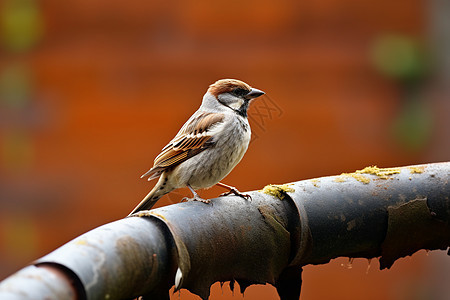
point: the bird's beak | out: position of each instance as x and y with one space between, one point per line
254 93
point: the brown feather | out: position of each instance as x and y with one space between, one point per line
226 86
185 144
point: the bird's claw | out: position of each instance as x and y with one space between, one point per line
234 191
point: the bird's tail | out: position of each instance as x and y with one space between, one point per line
155 194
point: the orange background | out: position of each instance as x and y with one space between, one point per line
92 90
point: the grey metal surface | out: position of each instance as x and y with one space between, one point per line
267 239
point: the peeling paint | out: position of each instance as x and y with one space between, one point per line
423 231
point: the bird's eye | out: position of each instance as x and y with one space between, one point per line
240 91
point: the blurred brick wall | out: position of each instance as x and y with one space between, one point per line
104 85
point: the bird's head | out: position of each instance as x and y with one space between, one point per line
233 94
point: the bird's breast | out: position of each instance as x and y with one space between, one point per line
212 165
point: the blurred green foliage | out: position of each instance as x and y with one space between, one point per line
21 24
404 59
413 126
21 27
15 86
19 236
16 150
400 57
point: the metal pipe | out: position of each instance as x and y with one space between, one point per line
386 213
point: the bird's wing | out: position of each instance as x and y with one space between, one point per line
194 137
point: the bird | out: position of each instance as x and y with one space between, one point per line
207 147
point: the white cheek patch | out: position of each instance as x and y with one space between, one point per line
236 105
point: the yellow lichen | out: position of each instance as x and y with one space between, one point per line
81 242
382 173
278 191
358 177
315 182
416 170
339 179
148 214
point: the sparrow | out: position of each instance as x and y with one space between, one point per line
208 146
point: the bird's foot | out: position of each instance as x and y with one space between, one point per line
235 191
195 198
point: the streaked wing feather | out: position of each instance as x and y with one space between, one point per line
191 139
